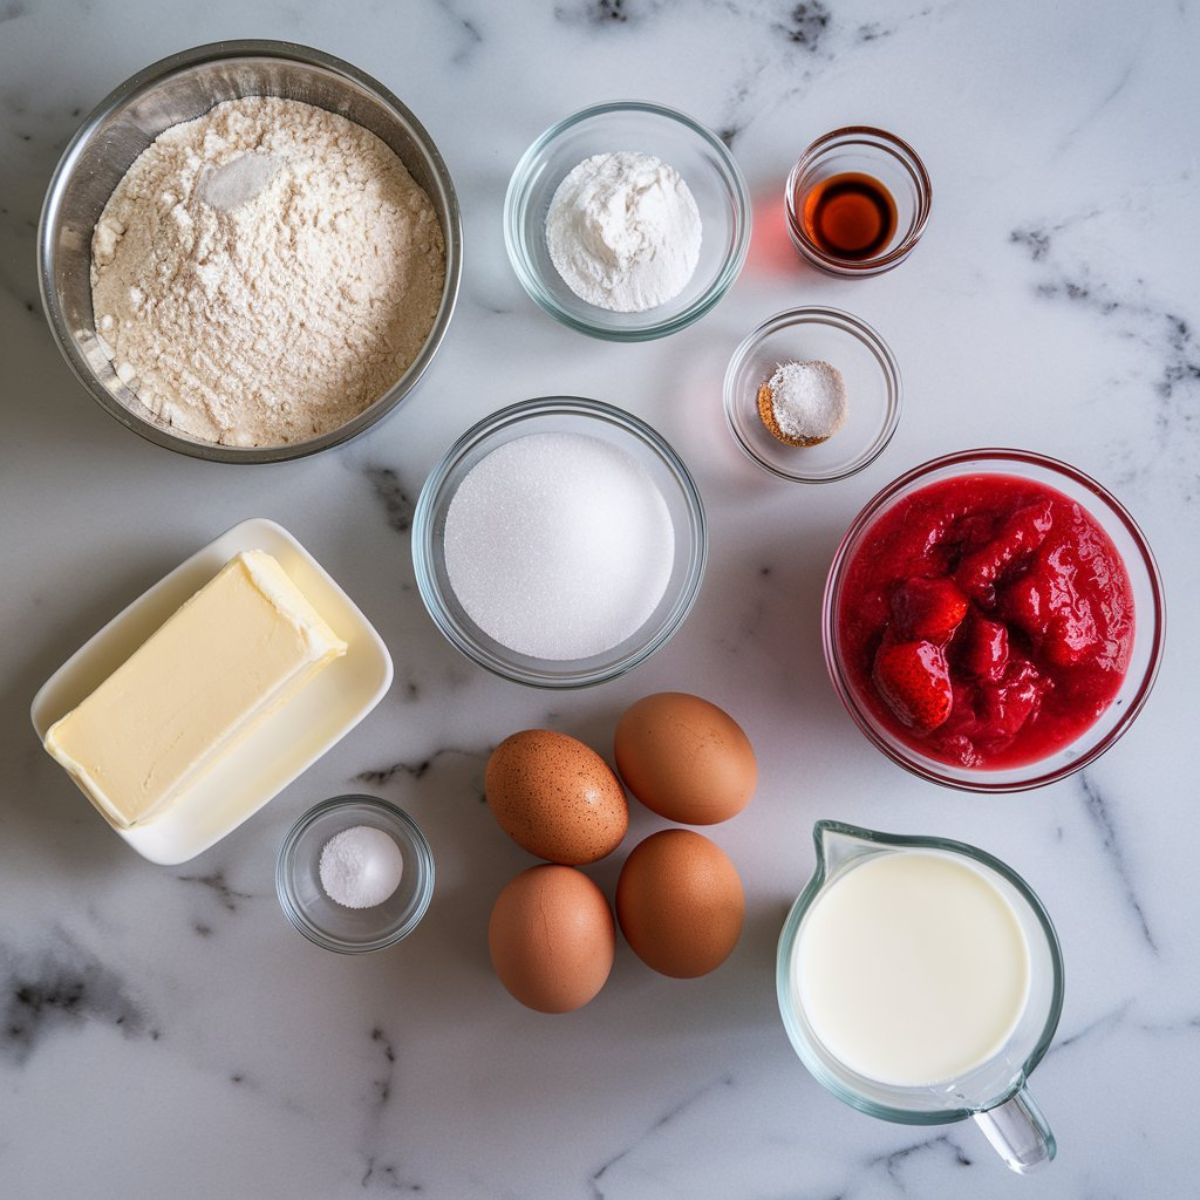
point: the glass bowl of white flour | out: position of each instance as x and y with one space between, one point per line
627 221
264 382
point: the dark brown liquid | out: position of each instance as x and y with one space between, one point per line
851 216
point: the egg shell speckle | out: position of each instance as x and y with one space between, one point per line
680 903
556 797
685 759
551 938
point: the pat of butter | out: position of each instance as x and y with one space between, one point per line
244 643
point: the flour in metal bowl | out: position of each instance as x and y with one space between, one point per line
263 273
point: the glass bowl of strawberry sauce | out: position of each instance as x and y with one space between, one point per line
993 620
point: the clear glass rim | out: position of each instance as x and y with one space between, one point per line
787 938
420 848
989 459
516 198
836 318
431 499
872 136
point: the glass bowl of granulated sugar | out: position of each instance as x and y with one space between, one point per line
560 542
627 221
284 331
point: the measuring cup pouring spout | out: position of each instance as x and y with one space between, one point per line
838 844
963 1038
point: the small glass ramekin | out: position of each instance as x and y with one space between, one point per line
561 414
874 152
1149 620
872 389
333 926
873 393
706 166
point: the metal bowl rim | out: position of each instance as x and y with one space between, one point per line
143 81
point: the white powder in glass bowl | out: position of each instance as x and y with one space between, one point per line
624 231
360 867
559 545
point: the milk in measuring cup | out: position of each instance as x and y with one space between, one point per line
911 968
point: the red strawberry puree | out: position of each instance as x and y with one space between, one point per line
986 620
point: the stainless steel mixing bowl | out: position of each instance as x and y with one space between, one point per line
180 88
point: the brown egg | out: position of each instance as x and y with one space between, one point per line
556 797
680 903
685 759
552 938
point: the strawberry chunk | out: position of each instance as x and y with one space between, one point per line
984 650
1009 705
914 681
1073 634
928 610
1048 604
1024 604
974 530
1018 537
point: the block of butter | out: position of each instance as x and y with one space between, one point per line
242 645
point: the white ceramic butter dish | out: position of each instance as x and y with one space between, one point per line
282 744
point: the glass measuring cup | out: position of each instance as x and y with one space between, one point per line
993 1093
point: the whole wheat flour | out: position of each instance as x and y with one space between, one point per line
263 273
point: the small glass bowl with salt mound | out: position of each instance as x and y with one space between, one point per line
354 873
868 373
560 542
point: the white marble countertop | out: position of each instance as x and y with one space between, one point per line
163 1032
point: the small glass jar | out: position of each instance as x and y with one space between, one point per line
333 926
871 157
872 381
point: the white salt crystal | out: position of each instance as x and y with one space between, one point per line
809 399
360 867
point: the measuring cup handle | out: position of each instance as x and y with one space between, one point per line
1018 1132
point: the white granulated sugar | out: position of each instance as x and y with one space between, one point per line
559 545
263 273
624 232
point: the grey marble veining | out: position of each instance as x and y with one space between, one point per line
164 1032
